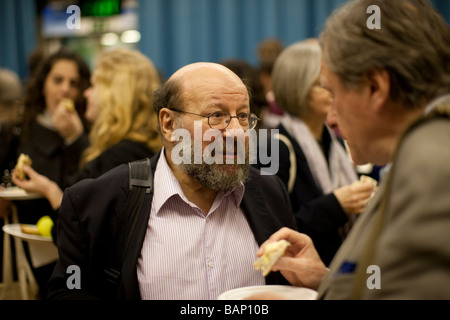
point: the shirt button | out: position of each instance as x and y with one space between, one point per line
210 264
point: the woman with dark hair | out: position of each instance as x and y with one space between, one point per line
40 97
51 134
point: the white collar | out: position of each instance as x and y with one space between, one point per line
435 102
45 119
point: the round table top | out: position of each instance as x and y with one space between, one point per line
15 230
16 193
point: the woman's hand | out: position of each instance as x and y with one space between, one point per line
355 197
38 183
67 123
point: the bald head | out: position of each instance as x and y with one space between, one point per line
198 81
206 68
206 76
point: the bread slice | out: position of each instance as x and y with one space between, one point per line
365 178
30 229
68 104
272 253
23 160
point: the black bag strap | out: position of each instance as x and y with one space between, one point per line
141 183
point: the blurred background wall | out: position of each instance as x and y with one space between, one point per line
172 33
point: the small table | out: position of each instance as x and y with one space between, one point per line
42 250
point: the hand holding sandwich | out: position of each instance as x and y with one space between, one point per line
300 264
38 183
67 121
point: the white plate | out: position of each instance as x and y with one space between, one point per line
15 193
288 292
42 249
15 230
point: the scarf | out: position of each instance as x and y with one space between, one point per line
338 173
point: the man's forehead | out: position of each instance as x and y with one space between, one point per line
201 70
208 80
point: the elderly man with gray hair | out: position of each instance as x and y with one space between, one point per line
391 101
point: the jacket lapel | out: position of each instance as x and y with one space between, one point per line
256 212
262 222
356 238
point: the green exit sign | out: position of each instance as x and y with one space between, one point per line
100 8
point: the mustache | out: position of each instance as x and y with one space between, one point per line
232 147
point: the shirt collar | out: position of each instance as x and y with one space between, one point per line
238 194
166 183
168 186
434 103
384 171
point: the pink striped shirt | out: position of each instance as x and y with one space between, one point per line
189 255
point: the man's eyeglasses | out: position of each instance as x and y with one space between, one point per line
220 120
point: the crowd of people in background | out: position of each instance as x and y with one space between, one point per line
114 123
309 95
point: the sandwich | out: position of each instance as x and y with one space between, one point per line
68 104
30 229
272 253
23 160
364 178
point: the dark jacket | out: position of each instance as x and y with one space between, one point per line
318 215
121 153
52 158
91 211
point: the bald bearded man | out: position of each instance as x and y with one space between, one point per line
200 228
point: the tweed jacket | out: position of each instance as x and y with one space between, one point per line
409 241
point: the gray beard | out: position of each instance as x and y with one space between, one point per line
218 177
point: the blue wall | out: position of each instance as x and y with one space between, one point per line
18 34
179 32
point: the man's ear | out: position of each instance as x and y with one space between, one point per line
166 121
380 87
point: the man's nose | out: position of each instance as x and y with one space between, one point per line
332 119
234 124
233 129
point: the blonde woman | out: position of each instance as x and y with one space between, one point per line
124 124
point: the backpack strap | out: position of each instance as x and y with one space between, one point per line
141 183
292 160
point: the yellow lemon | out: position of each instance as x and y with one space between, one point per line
45 225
